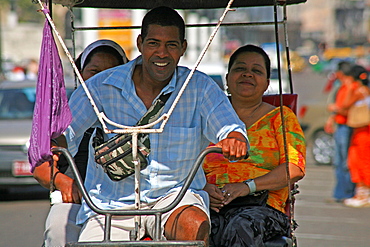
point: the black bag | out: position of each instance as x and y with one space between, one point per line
115 155
258 198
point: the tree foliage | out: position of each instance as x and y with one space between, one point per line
26 10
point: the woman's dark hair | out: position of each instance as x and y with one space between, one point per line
104 49
359 73
163 16
251 48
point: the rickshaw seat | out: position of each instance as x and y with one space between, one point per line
289 100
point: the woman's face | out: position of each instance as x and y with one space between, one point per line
248 75
99 61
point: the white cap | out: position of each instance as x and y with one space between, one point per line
102 42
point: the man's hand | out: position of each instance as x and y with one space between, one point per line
234 147
68 188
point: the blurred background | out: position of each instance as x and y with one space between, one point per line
321 34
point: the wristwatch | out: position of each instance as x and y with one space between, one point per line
251 184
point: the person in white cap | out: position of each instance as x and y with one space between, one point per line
98 56
60 226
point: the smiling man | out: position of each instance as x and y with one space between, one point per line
202 115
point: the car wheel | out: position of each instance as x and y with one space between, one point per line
323 148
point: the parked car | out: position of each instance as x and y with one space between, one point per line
217 71
312 116
17 99
275 82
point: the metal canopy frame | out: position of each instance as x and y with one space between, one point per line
176 4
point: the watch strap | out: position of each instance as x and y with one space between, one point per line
252 185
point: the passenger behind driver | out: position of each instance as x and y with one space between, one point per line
60 226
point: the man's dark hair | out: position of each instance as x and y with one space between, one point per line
345 67
163 16
251 48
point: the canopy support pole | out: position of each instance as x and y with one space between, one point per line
289 182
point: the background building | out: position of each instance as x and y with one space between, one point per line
328 29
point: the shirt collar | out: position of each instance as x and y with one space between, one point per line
126 84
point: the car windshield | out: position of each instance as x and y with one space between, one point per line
17 103
274 74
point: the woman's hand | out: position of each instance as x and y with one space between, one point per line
215 196
234 190
221 197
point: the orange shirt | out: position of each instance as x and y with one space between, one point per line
340 98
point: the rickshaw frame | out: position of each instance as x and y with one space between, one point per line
179 4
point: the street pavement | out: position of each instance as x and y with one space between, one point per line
326 224
321 224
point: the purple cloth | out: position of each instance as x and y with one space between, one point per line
51 114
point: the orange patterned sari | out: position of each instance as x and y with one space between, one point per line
266 153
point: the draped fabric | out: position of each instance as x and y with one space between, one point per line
51 114
247 226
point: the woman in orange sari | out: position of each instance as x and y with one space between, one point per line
265 169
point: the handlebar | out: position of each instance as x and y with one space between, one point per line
189 179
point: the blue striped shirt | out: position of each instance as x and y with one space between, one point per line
203 115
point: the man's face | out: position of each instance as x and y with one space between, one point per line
161 50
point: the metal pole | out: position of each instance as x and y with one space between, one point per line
137 183
287 49
1 53
282 112
51 8
72 22
277 42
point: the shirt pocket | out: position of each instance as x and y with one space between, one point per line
183 143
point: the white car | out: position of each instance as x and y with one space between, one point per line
274 82
17 99
217 71
312 117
